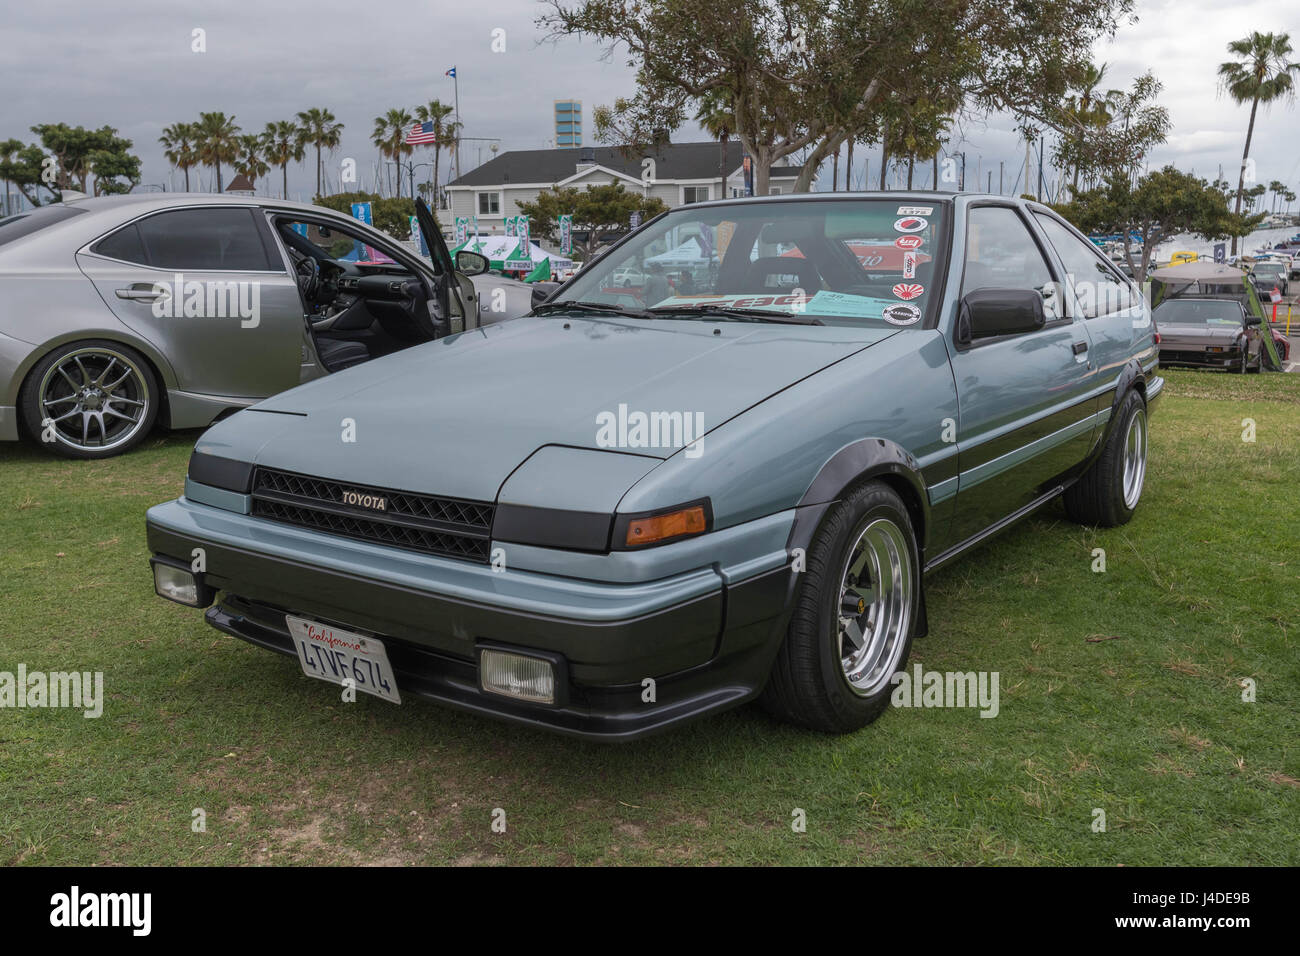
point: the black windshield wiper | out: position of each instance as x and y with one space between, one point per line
546 308
744 315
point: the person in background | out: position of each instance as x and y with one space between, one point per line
656 285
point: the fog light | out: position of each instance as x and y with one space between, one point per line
179 585
517 675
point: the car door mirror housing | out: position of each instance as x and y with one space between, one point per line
471 263
985 313
543 291
1254 320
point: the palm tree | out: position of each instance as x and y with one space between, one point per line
1289 197
281 146
318 127
218 141
447 132
180 143
717 119
1261 72
248 159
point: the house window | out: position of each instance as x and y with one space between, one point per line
489 204
692 194
774 191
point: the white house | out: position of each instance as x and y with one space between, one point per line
678 174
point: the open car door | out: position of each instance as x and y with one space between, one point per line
455 297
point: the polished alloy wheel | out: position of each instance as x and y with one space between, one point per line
1135 458
94 399
875 606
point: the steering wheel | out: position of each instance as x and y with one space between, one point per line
309 280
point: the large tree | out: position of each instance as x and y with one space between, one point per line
389 135
81 152
319 128
23 164
595 209
807 74
1262 71
1162 204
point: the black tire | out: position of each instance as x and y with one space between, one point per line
122 401
808 685
1100 497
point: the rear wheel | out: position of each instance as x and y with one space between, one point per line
855 616
91 399
1109 491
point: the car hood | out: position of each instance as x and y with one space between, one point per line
456 416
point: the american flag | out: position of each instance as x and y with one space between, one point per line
421 133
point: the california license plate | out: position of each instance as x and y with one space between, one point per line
338 656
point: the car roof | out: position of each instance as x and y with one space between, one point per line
907 195
142 201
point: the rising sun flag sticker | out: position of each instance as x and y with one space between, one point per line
908 290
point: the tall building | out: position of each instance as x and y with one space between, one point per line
568 123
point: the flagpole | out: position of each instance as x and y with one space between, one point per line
455 81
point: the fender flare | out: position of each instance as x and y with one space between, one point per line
858 461
1131 376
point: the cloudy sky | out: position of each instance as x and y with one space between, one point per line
131 65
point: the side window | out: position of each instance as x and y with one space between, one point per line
124 244
205 239
1098 288
1002 254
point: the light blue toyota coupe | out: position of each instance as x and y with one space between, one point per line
649 501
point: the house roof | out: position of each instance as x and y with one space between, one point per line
240 183
678 161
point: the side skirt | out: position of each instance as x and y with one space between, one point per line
957 550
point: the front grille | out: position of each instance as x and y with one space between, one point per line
450 527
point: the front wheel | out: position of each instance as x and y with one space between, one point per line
1109 491
91 399
855 616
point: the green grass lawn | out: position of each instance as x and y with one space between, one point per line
1119 691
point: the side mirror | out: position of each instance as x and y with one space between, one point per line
985 313
471 263
1253 320
543 291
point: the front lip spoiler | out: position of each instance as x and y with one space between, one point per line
615 714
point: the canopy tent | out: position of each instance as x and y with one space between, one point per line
1203 278
512 254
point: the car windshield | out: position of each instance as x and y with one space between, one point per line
25 223
1197 312
838 262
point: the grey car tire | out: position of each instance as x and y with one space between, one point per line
90 399
1107 494
834 670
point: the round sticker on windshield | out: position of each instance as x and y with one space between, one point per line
910 224
901 314
908 242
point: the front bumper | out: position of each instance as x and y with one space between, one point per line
1187 357
705 636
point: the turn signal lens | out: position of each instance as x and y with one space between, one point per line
662 527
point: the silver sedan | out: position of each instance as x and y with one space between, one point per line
119 313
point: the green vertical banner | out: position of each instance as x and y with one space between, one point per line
566 234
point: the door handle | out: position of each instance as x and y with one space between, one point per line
145 295
1080 348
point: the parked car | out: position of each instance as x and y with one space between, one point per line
1208 333
1267 275
612 516
122 312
